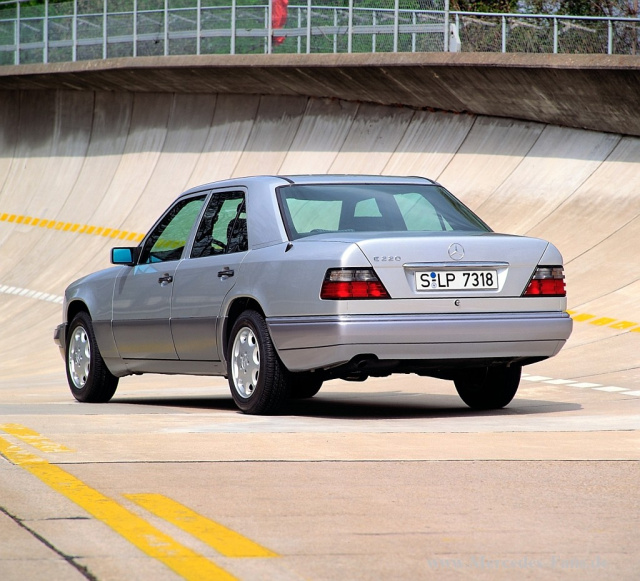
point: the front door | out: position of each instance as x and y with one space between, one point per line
142 294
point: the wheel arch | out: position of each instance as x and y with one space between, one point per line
235 309
75 307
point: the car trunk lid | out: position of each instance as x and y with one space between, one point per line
447 265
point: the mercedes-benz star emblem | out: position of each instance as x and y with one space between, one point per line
456 251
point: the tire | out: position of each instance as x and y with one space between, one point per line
87 374
257 377
489 388
304 385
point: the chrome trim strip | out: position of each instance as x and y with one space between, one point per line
453 265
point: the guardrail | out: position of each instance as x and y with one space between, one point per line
58 31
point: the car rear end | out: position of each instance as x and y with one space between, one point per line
418 283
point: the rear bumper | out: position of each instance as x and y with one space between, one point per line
321 342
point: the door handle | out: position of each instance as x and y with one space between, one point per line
165 279
225 272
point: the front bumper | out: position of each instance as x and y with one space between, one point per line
60 338
305 343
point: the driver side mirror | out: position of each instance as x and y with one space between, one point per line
125 256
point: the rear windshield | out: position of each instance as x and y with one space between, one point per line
317 209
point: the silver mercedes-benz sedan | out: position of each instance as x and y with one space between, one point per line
283 282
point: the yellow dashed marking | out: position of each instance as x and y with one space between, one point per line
583 317
610 322
34 439
602 321
623 325
71 227
227 542
187 563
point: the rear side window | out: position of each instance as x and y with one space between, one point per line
223 228
316 209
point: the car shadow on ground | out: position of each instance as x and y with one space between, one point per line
359 406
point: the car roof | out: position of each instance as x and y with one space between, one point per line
280 180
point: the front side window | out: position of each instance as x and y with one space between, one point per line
169 237
223 228
320 208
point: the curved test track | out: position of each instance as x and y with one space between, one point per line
81 171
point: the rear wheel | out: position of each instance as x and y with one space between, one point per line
257 378
304 385
87 374
488 388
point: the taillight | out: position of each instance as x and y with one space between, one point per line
547 281
352 283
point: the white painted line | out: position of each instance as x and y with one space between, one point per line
31 294
581 384
586 385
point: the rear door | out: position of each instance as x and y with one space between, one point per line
204 279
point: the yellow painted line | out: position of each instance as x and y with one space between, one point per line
151 541
70 226
583 317
226 541
632 326
602 321
33 438
624 325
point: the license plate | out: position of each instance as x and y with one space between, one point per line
457 280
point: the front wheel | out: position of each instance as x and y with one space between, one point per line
488 388
87 374
257 378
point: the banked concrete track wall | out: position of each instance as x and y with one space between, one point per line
81 171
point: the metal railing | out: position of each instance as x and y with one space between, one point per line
58 31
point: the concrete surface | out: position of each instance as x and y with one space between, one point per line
390 479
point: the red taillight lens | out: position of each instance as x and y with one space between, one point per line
547 281
352 283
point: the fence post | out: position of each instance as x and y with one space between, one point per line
166 27
350 28
555 36
299 38
374 36
414 21
74 32
308 26
610 37
396 25
232 48
269 27
16 54
504 33
104 29
135 27
198 26
45 33
446 25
